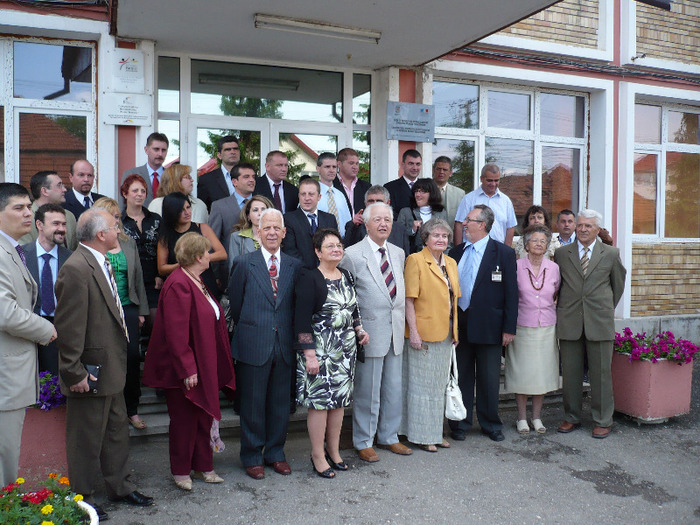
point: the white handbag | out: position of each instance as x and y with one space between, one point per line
454 406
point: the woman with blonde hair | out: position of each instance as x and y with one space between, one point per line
178 178
126 267
244 236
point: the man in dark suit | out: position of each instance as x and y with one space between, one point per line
400 189
81 197
488 312
261 291
45 256
355 229
217 183
90 320
347 181
303 222
156 149
592 282
273 185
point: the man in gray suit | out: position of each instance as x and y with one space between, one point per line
451 195
592 282
45 256
20 328
378 269
156 149
261 291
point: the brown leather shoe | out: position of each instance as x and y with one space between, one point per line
256 471
567 427
601 432
397 448
281 467
368 454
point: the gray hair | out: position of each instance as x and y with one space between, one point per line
435 224
90 223
367 214
490 168
377 189
536 228
268 211
591 214
486 215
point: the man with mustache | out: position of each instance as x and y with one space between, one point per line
156 149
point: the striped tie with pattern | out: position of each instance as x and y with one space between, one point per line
274 277
115 293
332 207
387 274
584 260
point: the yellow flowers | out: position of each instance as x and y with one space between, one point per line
78 497
47 509
53 475
19 481
47 523
63 480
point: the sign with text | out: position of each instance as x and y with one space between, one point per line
126 109
412 122
128 70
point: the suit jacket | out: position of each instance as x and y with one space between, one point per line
237 246
361 187
261 319
400 194
225 214
33 267
587 303
298 241
20 330
89 326
212 187
398 237
493 309
291 193
71 241
143 171
75 207
450 200
137 288
377 310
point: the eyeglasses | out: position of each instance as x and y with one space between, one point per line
468 220
116 227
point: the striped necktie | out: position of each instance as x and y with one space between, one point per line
274 276
332 207
385 268
585 260
115 293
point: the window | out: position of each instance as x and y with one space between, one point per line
539 139
666 199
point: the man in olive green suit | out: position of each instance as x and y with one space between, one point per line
592 281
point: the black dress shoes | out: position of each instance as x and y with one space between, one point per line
137 499
101 514
458 435
496 435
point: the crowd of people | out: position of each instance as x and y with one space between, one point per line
324 295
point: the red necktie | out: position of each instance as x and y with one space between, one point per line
155 183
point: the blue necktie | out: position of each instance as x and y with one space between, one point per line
466 279
48 304
314 226
87 203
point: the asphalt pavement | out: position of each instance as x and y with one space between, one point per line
648 474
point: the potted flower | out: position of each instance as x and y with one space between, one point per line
651 379
54 504
43 447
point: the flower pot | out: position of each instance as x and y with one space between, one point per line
651 392
43 448
90 511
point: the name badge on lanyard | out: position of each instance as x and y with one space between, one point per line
497 275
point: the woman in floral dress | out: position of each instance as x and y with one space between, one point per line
328 325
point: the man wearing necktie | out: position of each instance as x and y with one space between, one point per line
156 150
332 199
45 256
21 328
90 319
487 315
273 183
400 189
217 184
261 292
592 282
303 222
81 197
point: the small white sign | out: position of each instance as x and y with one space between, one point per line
128 70
127 109
412 122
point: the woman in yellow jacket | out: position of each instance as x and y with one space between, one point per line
432 290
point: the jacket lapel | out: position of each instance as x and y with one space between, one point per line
222 182
102 283
262 275
284 284
575 260
486 264
596 256
374 269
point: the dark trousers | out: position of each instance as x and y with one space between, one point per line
132 387
97 438
48 355
265 398
190 427
481 365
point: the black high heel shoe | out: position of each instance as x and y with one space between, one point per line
335 466
328 473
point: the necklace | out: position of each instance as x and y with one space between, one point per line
544 275
199 281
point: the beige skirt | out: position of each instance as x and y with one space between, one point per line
532 361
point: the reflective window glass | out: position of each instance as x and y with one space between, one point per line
169 84
644 204
171 129
562 115
516 162
50 142
207 160
456 105
560 179
682 194
2 144
52 72
647 124
361 98
508 110
461 153
302 151
361 143
683 127
246 90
